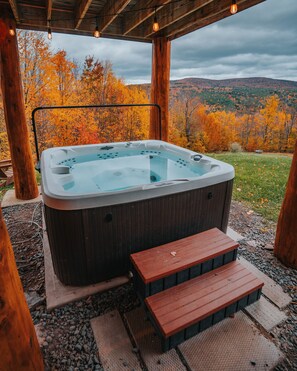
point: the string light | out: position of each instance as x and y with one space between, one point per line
11 31
49 34
233 7
96 32
156 26
49 31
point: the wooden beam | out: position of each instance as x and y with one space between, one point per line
205 17
160 87
133 19
15 10
49 7
81 10
110 12
285 248
169 15
18 342
14 112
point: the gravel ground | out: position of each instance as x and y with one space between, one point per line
65 334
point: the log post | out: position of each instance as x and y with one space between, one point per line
18 342
285 248
160 86
14 111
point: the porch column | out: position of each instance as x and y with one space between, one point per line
285 248
14 110
18 342
160 86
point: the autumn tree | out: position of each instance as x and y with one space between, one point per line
185 123
4 146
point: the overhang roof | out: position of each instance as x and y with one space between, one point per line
122 19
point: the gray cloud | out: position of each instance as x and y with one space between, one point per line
260 41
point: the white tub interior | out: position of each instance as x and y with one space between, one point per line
115 169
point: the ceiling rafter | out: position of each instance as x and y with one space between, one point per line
146 10
175 33
15 10
121 19
216 7
170 14
183 30
81 10
110 12
49 7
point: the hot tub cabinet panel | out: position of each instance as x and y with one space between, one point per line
93 244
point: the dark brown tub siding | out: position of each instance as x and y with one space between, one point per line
93 245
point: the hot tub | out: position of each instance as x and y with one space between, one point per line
104 202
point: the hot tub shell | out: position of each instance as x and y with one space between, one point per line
92 236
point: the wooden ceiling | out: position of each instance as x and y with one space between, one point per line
122 19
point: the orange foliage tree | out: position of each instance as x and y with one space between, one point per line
51 78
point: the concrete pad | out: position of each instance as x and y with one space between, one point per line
58 294
271 290
266 314
149 344
9 199
113 343
233 344
234 235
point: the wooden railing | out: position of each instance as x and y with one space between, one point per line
6 173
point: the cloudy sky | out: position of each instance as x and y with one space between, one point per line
261 41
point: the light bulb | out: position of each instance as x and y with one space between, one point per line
233 7
49 34
96 33
11 31
156 26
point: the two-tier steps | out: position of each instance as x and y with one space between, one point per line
190 284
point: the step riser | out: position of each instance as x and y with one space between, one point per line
145 290
178 338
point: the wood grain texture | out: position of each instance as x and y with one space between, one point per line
87 249
173 257
160 87
14 111
169 15
110 12
131 20
286 234
81 10
181 306
18 342
197 20
120 19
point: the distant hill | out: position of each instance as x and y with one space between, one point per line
241 94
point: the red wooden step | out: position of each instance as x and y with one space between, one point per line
210 296
164 260
168 265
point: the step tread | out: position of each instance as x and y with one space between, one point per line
190 302
164 260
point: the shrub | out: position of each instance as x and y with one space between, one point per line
235 147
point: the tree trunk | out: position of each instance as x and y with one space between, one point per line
160 87
18 342
285 248
14 110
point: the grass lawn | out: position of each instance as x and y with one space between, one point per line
260 180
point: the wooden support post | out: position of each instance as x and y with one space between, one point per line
160 87
285 248
14 110
18 342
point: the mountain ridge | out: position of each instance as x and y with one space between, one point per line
239 94
243 81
